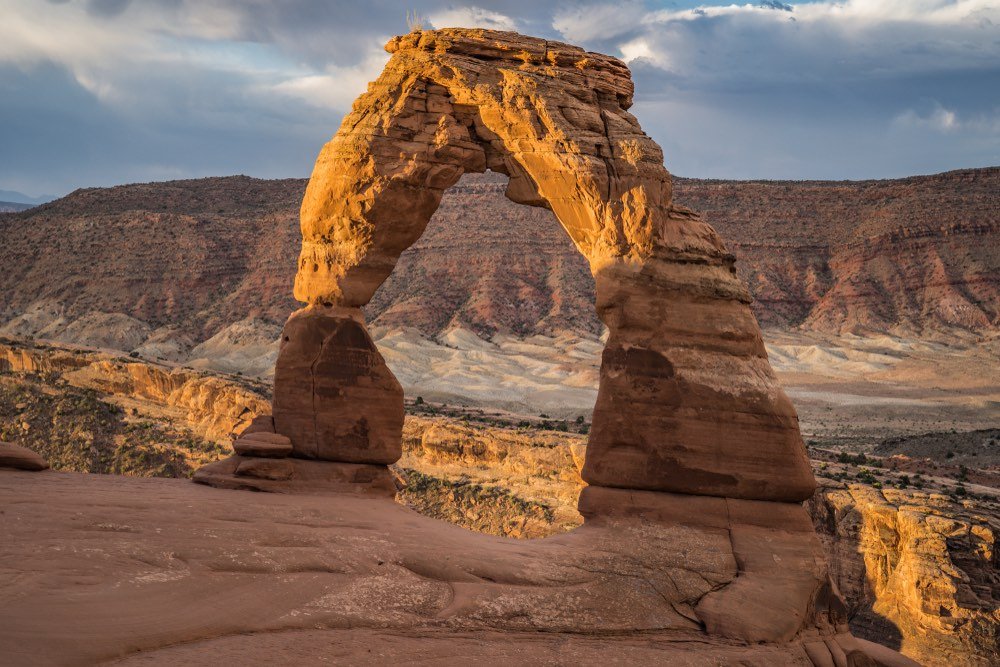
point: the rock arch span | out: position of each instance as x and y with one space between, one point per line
696 468
687 403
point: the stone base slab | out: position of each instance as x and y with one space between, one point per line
297 476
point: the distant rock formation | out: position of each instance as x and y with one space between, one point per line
213 407
910 257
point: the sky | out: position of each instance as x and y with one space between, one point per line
103 92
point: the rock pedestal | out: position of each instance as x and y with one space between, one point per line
334 397
262 463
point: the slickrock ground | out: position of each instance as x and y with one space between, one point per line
168 572
515 475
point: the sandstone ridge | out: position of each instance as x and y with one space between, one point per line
910 257
213 407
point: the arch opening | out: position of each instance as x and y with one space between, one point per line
498 368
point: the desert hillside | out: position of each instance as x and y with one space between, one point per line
169 265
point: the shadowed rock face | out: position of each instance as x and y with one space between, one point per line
688 402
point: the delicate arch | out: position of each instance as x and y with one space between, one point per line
687 403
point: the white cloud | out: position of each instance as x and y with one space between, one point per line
829 89
471 17
337 87
584 22
939 119
948 121
854 37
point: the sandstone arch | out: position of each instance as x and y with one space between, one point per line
687 403
695 462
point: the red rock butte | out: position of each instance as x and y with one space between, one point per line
695 545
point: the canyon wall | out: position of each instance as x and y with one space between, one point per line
908 256
213 407
918 570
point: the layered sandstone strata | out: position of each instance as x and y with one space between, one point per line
213 407
334 397
688 402
917 568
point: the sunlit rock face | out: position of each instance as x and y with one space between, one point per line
916 568
688 402
691 433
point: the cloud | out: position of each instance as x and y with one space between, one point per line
825 90
471 17
936 118
337 86
939 119
107 7
103 91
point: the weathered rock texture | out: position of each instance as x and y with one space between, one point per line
215 408
333 394
193 258
135 578
20 458
917 570
691 434
688 402
917 566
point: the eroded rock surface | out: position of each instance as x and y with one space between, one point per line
20 458
694 527
687 402
135 578
691 432
213 407
334 397
915 567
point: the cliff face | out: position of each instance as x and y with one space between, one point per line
916 570
489 265
211 406
911 256
518 483
190 257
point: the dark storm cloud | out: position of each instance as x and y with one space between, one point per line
104 91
